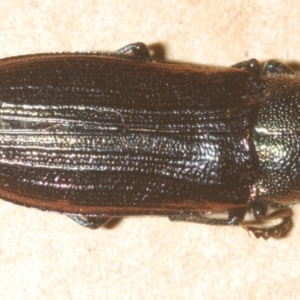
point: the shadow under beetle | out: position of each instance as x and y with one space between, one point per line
98 135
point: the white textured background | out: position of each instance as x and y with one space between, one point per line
47 256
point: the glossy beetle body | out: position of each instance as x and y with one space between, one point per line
101 135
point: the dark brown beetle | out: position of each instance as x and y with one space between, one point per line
98 135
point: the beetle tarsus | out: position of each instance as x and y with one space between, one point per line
89 221
251 65
275 231
138 49
272 67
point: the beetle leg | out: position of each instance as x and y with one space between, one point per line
251 65
234 217
274 231
89 221
139 50
266 231
274 67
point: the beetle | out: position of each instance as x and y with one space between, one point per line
99 135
